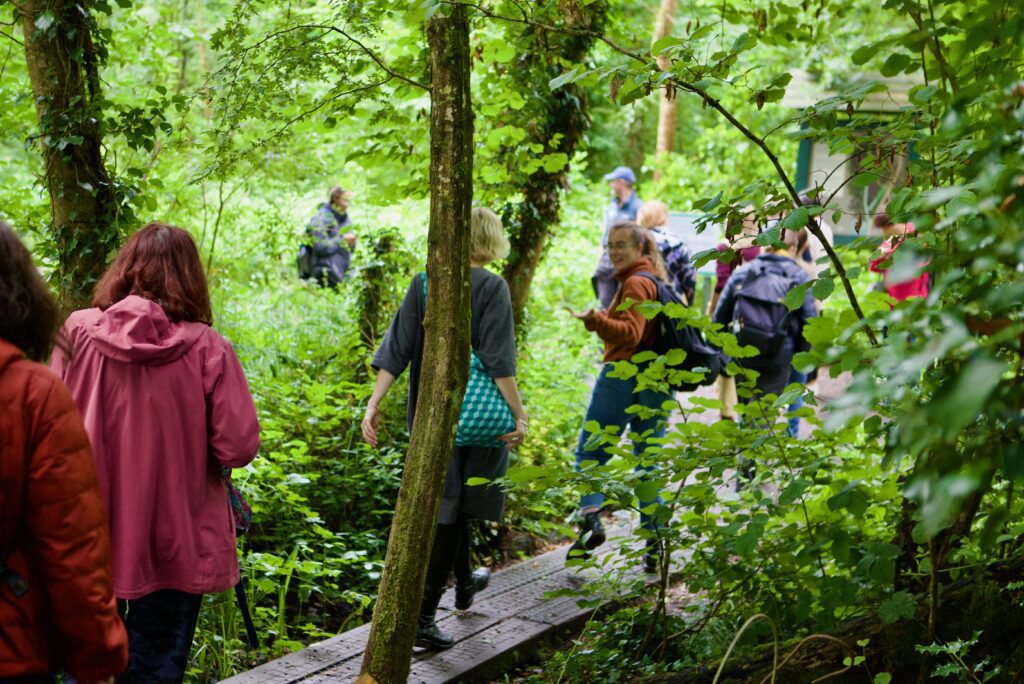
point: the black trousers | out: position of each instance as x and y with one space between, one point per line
160 630
451 552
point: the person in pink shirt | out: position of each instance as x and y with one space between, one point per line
167 407
895 235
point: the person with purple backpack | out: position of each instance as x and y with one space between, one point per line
751 307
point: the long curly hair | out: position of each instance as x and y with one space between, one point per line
160 263
28 312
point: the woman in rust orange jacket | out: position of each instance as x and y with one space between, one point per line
633 253
57 607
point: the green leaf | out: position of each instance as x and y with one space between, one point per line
476 481
744 42
900 606
882 678
526 473
864 53
553 163
666 42
795 298
823 287
961 401
796 219
567 77
896 63
921 94
852 497
674 357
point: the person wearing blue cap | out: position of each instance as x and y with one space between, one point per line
623 207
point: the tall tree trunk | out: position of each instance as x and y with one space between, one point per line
63 67
564 118
666 97
445 353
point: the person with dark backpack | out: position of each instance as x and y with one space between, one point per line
638 270
751 307
326 254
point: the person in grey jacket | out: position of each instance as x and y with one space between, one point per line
493 339
331 246
623 207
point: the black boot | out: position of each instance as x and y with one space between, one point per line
590 537
428 634
464 592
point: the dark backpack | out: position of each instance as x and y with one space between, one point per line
759 318
679 264
304 262
674 334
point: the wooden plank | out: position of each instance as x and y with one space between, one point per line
508 620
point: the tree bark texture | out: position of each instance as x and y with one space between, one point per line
445 354
666 96
561 124
63 67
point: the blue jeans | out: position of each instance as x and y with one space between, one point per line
794 423
608 404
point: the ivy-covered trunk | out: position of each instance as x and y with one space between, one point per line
63 66
445 353
559 127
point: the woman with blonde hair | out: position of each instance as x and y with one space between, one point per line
682 274
636 259
494 344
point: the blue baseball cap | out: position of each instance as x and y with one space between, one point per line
623 172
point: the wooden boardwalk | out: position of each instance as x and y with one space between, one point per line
508 621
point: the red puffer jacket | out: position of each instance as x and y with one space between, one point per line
53 521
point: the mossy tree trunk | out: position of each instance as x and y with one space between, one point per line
559 126
63 66
445 354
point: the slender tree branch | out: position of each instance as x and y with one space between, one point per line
384 67
10 37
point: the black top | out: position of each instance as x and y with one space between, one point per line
492 336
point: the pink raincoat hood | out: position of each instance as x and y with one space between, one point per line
137 330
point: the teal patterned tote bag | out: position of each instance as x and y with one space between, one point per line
485 414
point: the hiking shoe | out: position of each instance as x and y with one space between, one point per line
464 593
430 637
590 537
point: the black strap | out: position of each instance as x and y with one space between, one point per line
243 605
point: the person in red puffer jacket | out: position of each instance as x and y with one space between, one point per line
57 606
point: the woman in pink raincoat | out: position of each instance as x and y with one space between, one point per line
166 407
